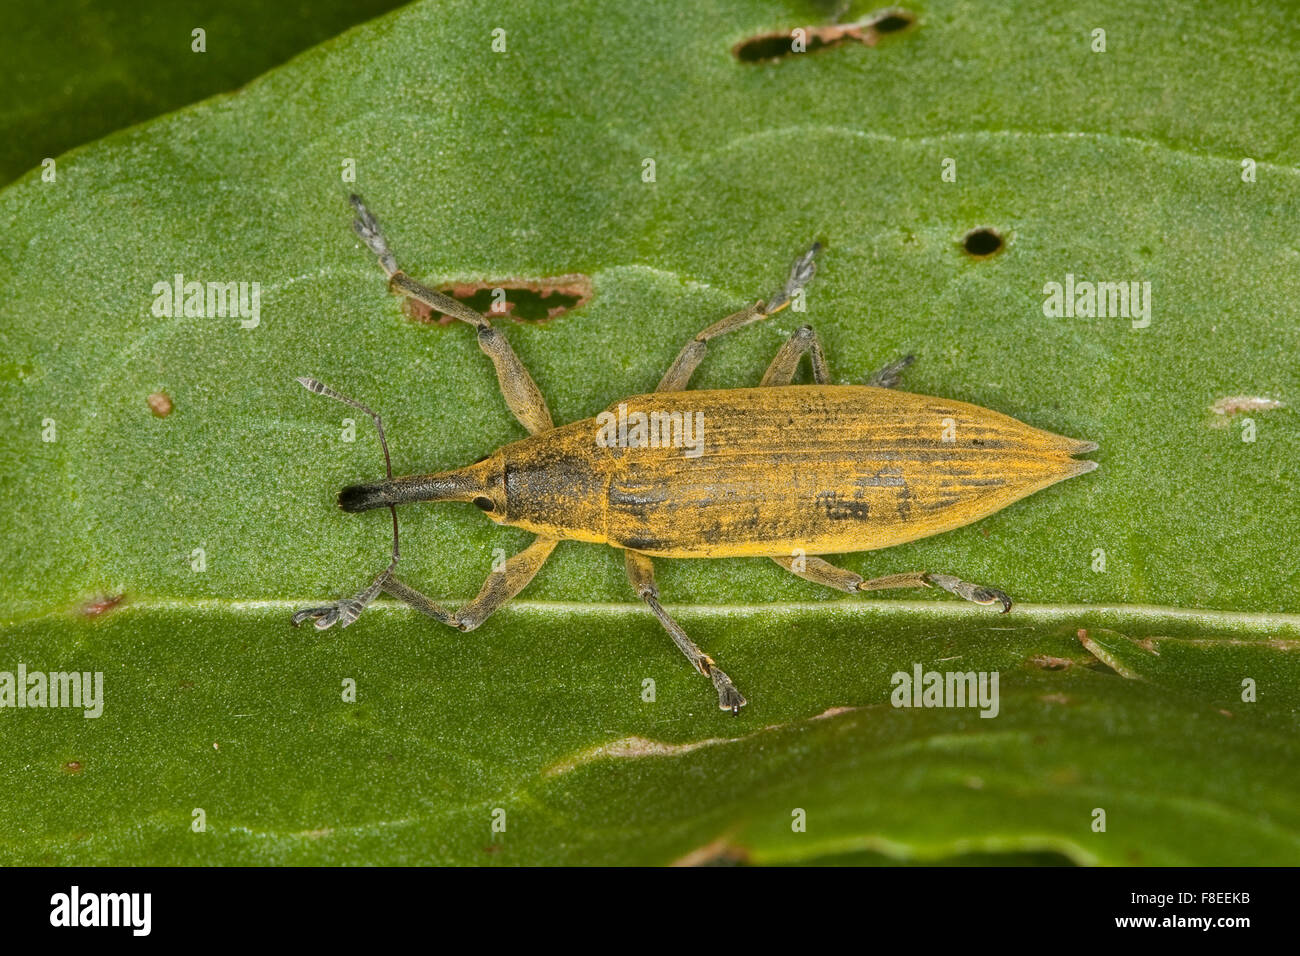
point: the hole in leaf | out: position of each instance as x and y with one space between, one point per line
982 243
524 300
893 21
766 47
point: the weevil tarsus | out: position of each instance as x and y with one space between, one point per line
892 374
976 593
367 227
801 273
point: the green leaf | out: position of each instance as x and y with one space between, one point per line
77 69
488 167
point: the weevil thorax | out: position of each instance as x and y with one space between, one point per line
555 483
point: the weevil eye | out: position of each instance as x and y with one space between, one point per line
483 504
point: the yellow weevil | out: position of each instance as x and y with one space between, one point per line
780 471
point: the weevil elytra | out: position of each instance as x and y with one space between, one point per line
781 471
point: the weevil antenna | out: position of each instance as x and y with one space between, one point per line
320 388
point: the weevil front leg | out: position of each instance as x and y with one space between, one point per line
517 386
823 572
499 588
641 572
688 359
786 362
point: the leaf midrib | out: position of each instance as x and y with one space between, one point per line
1241 621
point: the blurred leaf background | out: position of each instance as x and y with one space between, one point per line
490 166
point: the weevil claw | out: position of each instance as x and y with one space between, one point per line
728 697
342 612
975 593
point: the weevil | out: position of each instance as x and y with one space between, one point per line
781 471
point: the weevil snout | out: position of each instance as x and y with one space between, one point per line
482 484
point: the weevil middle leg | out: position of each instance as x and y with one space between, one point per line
641 573
688 359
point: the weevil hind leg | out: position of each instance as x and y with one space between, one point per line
520 391
688 359
641 573
823 572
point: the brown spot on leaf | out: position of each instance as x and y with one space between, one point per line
160 403
720 852
1232 405
72 766
100 605
523 300
1064 776
1103 655
1048 663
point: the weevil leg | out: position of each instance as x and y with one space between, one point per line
891 374
517 386
786 362
688 359
823 572
499 588
641 572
